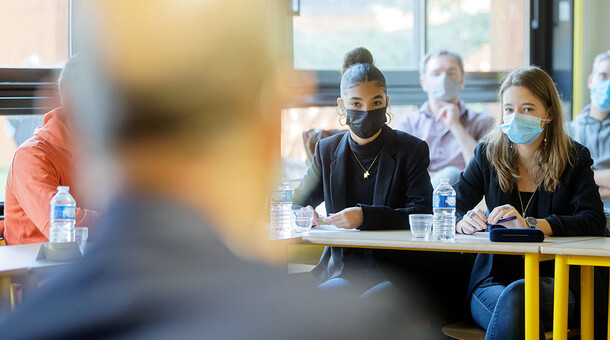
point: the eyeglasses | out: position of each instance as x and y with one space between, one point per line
602 75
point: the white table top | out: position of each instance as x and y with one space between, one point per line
20 259
403 239
598 246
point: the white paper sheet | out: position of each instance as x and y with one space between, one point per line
329 227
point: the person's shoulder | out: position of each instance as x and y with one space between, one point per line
34 147
582 117
416 114
481 146
580 156
406 138
480 151
577 126
580 151
332 141
32 142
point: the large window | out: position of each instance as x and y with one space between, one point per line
35 34
34 49
324 30
489 35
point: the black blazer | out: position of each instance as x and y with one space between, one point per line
402 187
574 209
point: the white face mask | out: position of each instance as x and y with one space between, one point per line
444 88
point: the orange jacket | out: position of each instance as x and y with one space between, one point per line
39 165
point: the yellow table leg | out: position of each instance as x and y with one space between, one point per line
561 294
29 286
586 304
5 292
532 296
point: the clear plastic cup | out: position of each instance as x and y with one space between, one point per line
80 236
421 225
302 220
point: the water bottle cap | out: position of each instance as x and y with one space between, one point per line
63 188
444 180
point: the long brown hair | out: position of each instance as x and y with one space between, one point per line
554 155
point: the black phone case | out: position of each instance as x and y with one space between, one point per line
516 235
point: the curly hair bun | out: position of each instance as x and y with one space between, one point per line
359 55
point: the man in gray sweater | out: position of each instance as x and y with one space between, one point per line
592 126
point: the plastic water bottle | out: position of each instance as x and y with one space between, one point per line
281 208
63 216
443 228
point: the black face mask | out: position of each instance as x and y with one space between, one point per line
366 123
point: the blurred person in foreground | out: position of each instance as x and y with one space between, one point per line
194 146
41 164
450 128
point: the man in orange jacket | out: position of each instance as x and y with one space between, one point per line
39 165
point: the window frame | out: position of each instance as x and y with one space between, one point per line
21 89
403 86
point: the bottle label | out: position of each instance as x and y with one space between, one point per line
444 201
63 213
282 196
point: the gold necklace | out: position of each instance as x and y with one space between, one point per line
366 171
528 203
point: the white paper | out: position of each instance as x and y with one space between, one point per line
329 227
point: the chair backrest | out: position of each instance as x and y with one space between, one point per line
312 136
2 242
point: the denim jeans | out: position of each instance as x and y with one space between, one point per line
379 289
501 309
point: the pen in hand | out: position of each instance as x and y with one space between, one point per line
503 220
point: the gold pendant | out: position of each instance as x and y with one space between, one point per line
366 174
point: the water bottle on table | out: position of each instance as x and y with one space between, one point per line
443 228
63 216
281 208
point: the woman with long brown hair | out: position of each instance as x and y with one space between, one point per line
527 168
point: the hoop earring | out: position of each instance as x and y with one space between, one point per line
389 114
389 120
342 117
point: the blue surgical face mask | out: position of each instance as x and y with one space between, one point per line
600 95
521 128
444 88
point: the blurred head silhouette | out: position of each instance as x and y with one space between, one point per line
184 101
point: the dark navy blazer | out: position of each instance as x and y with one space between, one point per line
574 209
402 187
